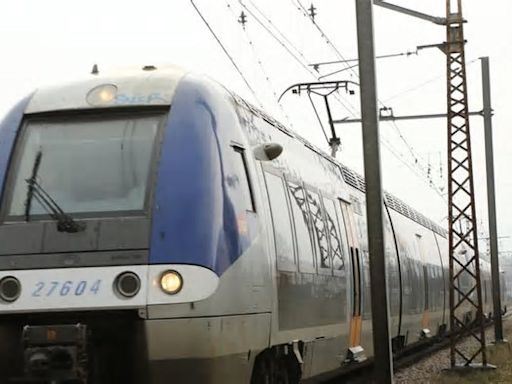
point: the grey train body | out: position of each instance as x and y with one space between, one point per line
292 298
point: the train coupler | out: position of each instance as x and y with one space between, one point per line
54 354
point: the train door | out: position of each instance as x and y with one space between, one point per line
425 320
355 262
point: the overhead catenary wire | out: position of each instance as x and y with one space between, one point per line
303 63
305 13
393 151
416 87
261 66
303 10
273 35
441 76
298 57
356 61
389 55
412 89
231 59
343 60
300 7
278 30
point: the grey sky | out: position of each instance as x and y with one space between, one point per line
46 42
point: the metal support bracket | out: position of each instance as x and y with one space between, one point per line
323 89
410 12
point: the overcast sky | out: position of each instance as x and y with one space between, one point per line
46 42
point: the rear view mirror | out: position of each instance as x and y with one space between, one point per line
267 152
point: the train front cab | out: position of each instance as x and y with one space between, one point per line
195 214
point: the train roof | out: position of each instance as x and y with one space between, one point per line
352 178
126 87
357 181
156 86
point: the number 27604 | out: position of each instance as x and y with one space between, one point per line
66 288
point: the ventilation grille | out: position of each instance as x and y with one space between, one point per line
354 179
357 181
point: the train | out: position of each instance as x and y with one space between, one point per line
157 228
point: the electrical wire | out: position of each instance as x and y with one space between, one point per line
350 108
318 118
304 66
227 53
316 65
289 42
424 83
393 151
415 87
277 39
411 150
304 12
389 55
338 53
262 68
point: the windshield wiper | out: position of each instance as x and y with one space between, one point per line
30 187
65 223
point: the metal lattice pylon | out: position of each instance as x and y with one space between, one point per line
465 287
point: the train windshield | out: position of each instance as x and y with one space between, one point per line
88 166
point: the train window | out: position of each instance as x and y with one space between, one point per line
356 205
88 165
281 221
242 176
338 259
319 230
426 286
303 229
356 281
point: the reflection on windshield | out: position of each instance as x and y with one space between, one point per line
89 166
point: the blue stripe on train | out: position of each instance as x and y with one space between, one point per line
195 219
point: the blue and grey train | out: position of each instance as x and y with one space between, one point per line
157 228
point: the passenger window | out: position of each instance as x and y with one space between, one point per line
338 259
303 229
281 221
319 230
356 205
242 173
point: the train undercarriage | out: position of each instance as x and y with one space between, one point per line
80 348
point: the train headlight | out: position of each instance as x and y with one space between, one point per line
102 95
10 289
127 284
171 282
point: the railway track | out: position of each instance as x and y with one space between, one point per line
362 374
